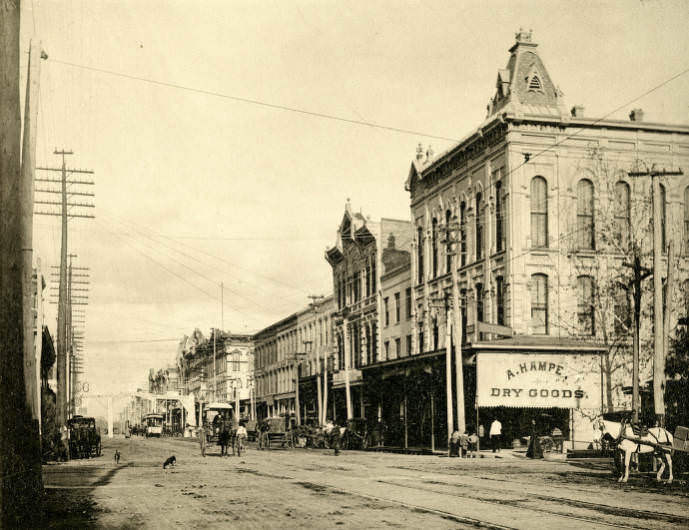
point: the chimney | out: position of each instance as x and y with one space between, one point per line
636 115
429 154
348 206
419 152
577 111
391 241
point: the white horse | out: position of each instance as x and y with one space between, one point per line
628 443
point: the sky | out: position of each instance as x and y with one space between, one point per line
194 189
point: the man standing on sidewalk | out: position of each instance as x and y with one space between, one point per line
202 440
495 434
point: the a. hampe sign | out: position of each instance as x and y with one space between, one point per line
538 380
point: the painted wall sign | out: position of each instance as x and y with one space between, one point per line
538 380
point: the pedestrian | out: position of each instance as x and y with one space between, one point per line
481 433
495 434
454 443
202 440
534 450
464 444
473 444
332 432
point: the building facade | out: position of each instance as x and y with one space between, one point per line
538 205
356 262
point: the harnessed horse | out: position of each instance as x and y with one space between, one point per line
657 441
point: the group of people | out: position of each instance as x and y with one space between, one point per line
225 437
465 444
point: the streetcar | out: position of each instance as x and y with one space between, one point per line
154 424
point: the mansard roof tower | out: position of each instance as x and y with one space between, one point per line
524 87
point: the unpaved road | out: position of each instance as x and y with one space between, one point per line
314 489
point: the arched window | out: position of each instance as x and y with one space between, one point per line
539 304
434 247
539 213
622 215
448 242
585 305
479 226
585 221
419 254
463 233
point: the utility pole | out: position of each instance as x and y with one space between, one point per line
321 400
658 228
452 233
215 332
640 273
27 197
20 471
64 214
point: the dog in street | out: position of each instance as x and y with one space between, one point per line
117 457
172 461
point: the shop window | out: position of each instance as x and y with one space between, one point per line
585 219
539 213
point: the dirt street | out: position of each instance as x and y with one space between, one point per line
313 489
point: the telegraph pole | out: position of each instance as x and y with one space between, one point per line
321 400
64 214
640 273
659 352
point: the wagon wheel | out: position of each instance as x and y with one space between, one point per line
99 448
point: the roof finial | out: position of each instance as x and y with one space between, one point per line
523 36
419 152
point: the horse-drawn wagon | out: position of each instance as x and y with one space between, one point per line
277 432
84 437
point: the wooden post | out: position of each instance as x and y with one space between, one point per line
448 375
325 388
406 423
432 423
27 197
669 286
658 357
319 396
459 368
348 394
20 472
297 406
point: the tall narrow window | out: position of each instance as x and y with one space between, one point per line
419 254
479 226
421 339
436 334
386 310
500 299
463 233
622 215
585 305
374 340
539 212
407 297
368 280
623 312
585 221
499 218
448 242
479 302
463 305
373 276
539 304
434 247
397 308
663 218
686 221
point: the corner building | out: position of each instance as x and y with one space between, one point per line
542 214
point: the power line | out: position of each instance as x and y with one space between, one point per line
258 102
